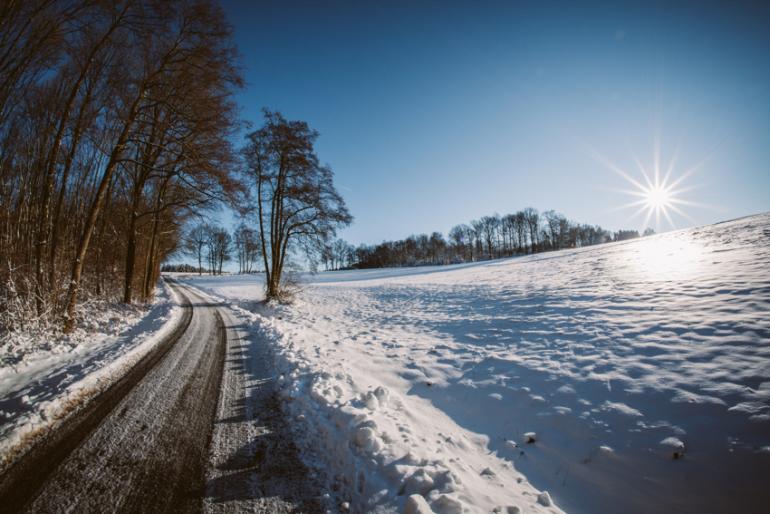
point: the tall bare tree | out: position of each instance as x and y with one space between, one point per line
297 206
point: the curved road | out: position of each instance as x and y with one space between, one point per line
142 445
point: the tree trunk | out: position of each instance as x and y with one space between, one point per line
93 213
128 283
263 246
150 261
149 282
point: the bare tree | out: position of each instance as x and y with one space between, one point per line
558 229
532 220
462 241
297 206
489 226
437 246
195 242
246 241
220 246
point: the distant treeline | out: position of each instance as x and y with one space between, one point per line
490 237
179 268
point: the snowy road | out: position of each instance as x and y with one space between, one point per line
143 444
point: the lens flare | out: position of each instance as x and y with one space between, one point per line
658 190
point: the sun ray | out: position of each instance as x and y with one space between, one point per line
689 171
626 206
610 166
640 194
656 162
639 211
677 192
671 165
643 172
647 219
690 203
681 213
667 215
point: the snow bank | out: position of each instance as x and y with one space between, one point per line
41 381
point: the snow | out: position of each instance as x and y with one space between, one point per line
578 373
43 380
416 504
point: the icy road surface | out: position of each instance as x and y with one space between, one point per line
630 377
144 450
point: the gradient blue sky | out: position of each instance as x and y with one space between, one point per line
433 113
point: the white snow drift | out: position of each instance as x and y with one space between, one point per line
630 377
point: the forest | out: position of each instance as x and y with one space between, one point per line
115 125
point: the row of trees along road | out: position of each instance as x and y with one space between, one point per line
115 120
115 128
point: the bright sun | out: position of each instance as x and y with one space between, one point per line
657 191
658 197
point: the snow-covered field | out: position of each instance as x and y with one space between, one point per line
630 377
42 379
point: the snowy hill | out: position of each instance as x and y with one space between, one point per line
629 377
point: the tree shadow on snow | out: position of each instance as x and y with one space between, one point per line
265 472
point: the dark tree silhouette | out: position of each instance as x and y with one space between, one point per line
115 119
297 206
487 238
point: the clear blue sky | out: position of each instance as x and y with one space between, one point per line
435 113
